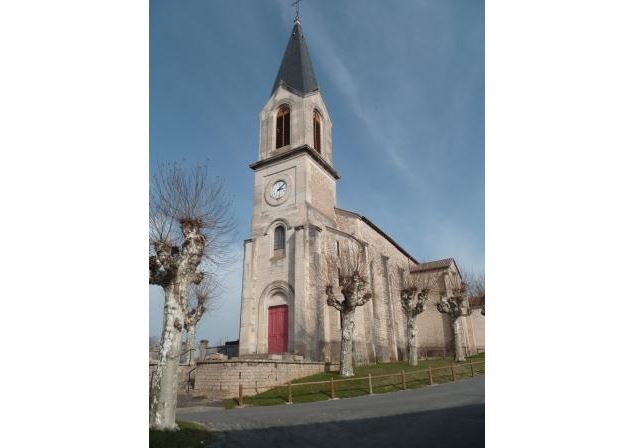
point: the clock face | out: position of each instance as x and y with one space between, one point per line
278 189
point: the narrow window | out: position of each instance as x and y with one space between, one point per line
283 124
317 131
278 240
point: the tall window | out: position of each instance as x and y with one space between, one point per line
283 126
317 131
278 240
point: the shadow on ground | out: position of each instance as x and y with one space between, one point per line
455 427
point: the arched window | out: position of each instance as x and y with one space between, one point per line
278 240
283 126
317 131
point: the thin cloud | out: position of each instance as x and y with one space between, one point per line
343 78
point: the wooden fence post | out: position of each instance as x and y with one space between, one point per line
290 400
370 383
453 374
472 368
332 389
403 380
240 394
430 375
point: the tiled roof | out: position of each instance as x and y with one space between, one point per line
381 232
477 301
433 265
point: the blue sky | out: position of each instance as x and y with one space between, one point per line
404 85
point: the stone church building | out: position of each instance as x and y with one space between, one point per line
296 223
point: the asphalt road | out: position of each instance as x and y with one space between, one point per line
448 415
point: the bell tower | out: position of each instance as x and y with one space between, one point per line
294 198
295 140
295 114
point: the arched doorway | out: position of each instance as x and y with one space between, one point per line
276 295
278 333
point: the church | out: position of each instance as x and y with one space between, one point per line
296 223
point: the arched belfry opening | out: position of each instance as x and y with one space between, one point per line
317 131
283 126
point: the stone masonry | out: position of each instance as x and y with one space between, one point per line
220 379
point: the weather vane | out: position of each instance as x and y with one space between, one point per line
296 3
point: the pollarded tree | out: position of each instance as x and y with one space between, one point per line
415 291
189 222
455 305
350 265
202 298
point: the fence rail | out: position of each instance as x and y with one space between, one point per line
452 369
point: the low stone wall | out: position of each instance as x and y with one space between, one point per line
220 379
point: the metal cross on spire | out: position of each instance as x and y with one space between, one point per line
296 3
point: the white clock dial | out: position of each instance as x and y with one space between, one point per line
278 189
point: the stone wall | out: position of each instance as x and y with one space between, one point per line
220 379
475 330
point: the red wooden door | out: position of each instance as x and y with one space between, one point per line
278 334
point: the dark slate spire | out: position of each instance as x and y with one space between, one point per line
296 70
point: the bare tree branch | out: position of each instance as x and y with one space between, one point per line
474 283
456 304
350 266
183 201
414 291
331 300
190 230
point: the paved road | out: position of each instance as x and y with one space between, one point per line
447 415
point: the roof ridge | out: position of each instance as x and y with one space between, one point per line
381 232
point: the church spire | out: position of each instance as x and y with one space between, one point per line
296 71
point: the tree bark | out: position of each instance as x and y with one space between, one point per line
190 341
165 381
412 339
346 351
458 348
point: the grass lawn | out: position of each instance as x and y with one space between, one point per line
191 435
347 389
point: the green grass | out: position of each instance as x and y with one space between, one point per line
190 435
347 389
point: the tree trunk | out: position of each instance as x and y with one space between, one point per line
458 348
165 381
191 336
346 351
412 339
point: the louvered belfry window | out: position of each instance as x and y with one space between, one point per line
283 126
278 238
317 131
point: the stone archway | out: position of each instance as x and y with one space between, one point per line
277 293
